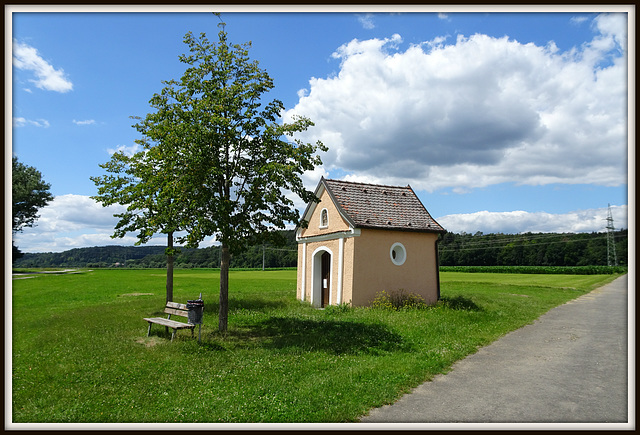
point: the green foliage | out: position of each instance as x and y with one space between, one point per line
79 350
216 161
397 300
530 249
546 270
235 161
29 193
342 308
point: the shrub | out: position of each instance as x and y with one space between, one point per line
398 300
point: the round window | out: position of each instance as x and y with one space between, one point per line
398 254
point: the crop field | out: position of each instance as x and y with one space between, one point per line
80 354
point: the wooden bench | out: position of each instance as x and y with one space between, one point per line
172 308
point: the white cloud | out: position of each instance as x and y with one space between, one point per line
77 221
443 16
22 122
514 222
71 221
475 112
27 58
366 20
578 20
128 150
86 122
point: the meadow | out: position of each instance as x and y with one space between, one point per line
80 353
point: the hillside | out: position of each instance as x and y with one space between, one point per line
530 249
154 257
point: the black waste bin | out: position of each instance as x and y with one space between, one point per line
194 311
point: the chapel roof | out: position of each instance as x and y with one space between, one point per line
381 207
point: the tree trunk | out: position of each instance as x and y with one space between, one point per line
170 267
225 259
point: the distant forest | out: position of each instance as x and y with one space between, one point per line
529 249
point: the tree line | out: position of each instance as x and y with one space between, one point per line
255 256
530 249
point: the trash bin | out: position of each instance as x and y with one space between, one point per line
194 311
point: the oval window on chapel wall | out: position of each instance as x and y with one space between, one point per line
398 254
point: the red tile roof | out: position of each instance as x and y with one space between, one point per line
383 207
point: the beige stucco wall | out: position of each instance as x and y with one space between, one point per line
374 271
368 269
336 222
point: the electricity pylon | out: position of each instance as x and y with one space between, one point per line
611 245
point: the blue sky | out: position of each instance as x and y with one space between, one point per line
502 122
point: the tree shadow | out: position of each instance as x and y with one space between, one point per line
331 336
257 304
460 303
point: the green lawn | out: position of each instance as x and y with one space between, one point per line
80 351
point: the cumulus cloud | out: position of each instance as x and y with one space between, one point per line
515 222
77 221
48 78
475 111
22 122
71 221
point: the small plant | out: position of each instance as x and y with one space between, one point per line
398 300
337 309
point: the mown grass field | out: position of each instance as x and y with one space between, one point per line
80 351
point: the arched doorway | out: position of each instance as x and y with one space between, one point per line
325 273
321 280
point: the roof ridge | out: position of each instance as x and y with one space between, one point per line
402 210
367 184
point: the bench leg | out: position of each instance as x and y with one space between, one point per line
173 334
149 330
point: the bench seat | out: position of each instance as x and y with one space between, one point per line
174 324
175 309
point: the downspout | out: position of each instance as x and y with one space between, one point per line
438 266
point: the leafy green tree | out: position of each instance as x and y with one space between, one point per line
216 161
239 162
29 192
146 183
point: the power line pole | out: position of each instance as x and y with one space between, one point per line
611 245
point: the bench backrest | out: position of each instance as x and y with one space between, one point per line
176 309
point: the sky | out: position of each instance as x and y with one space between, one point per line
503 122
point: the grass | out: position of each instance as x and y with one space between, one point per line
80 351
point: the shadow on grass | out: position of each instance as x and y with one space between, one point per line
459 303
331 336
256 304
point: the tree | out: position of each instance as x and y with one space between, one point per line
29 192
146 183
238 163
